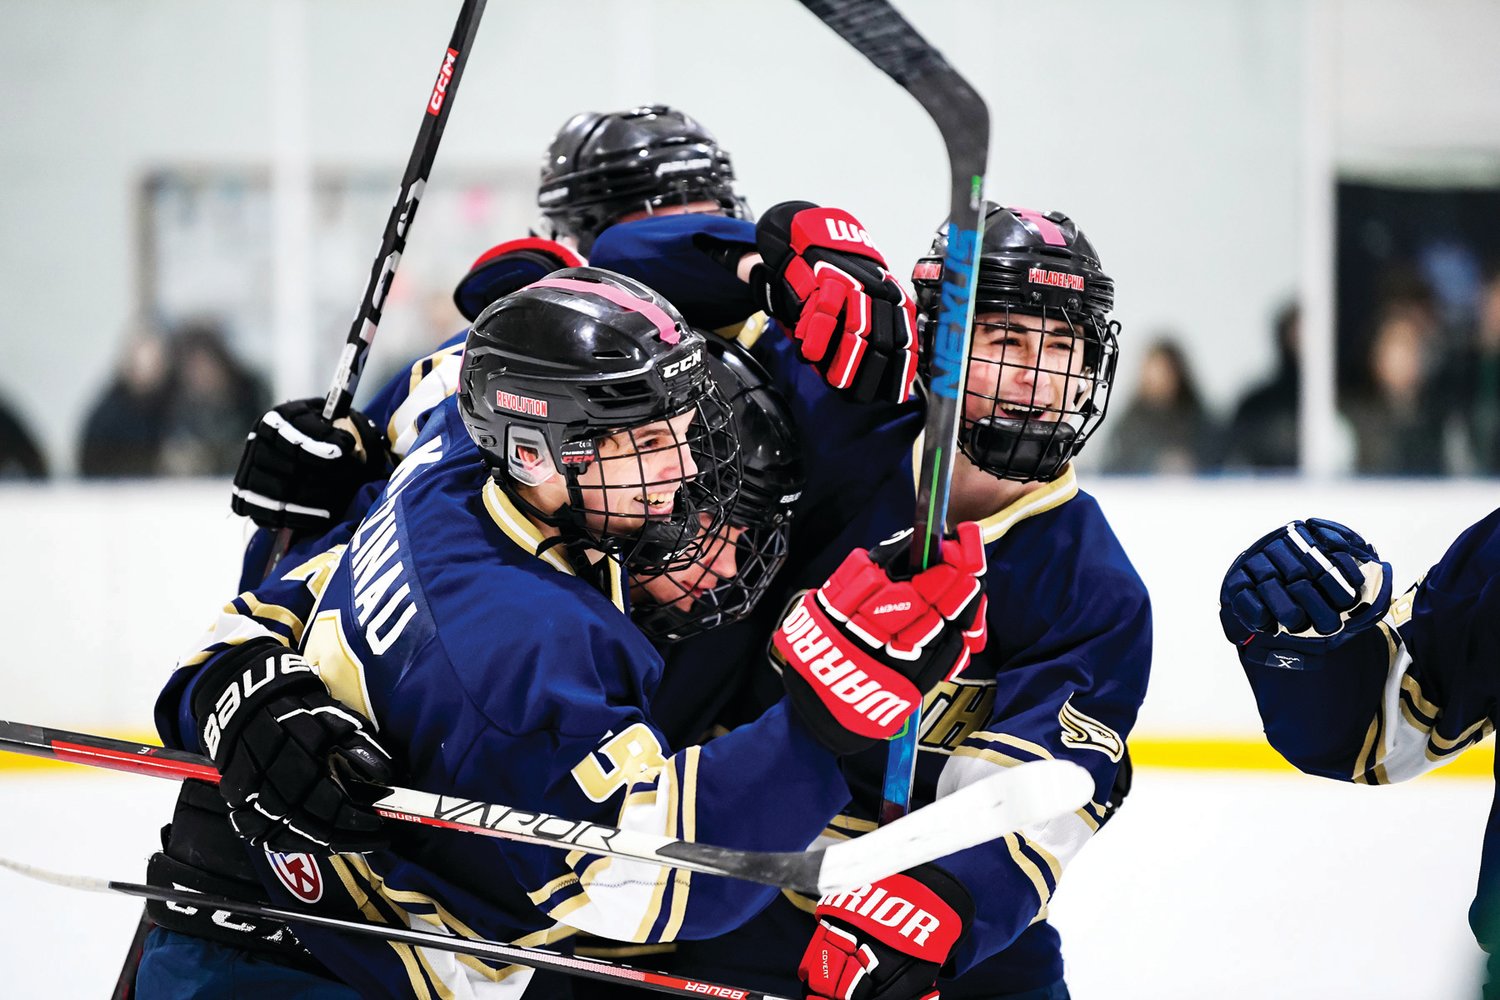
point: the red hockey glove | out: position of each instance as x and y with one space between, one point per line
508 267
864 648
824 280
886 941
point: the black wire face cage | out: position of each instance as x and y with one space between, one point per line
1037 389
655 495
705 595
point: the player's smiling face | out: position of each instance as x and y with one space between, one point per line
637 475
1024 367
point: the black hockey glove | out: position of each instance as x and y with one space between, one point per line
280 743
888 940
826 283
862 650
1302 590
299 471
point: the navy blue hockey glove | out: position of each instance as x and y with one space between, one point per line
886 941
1302 590
300 471
508 267
824 281
286 750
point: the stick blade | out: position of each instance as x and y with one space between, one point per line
975 814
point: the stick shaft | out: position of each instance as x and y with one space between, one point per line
534 958
888 40
361 335
799 870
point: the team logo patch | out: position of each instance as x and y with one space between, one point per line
1079 730
299 873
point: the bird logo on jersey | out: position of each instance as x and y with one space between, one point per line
1079 730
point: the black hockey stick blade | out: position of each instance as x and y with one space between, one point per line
990 808
534 958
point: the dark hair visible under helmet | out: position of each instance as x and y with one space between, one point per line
553 369
1036 268
602 166
771 481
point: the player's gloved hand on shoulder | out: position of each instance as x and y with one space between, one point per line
508 267
300 471
886 941
281 745
823 279
1302 590
863 649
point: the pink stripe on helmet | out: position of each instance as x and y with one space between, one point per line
665 326
1045 227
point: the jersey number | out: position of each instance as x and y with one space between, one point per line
630 756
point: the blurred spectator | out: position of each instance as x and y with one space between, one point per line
20 458
1262 434
1476 379
1398 421
122 434
1166 428
212 401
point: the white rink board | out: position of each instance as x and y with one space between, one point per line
105 586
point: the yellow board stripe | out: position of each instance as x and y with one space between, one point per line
1177 753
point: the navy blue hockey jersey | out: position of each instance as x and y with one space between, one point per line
1406 696
1063 677
493 671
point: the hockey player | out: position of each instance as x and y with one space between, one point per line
1069 621
471 636
1356 687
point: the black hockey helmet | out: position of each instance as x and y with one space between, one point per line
553 372
602 166
755 542
1043 267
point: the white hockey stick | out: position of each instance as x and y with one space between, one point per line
990 808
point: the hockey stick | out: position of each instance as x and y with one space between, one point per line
885 38
535 958
393 240
367 317
975 814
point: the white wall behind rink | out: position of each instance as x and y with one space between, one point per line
104 586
